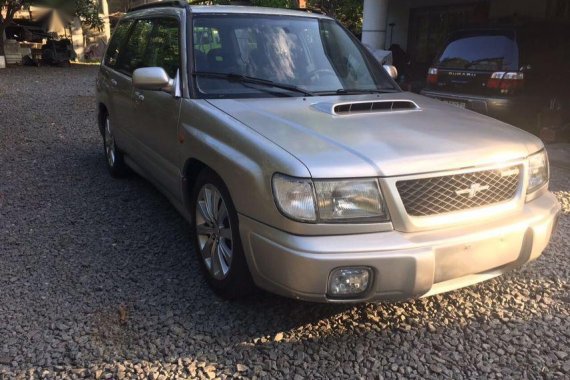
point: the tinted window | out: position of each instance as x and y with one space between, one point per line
132 55
164 48
490 51
116 43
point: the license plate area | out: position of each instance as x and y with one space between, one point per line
455 103
477 257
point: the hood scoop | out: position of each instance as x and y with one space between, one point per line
376 106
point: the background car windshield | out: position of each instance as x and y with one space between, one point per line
490 51
315 55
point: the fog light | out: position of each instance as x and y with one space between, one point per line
349 282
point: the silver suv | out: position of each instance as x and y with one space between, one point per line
304 169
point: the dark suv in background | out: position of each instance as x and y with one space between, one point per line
516 74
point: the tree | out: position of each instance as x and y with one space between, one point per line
8 9
348 12
87 10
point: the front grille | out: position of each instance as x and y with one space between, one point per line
439 195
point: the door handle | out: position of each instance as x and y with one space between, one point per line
114 82
139 97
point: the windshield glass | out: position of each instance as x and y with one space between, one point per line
486 51
299 55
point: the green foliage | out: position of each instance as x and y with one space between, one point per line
348 12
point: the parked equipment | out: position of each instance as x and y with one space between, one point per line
58 52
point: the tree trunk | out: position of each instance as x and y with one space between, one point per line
2 28
11 8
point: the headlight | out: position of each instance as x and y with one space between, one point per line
350 200
538 171
336 201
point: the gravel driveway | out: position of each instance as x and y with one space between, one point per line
97 280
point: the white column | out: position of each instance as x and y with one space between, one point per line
106 23
77 38
374 23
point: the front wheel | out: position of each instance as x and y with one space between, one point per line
215 234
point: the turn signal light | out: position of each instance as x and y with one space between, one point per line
432 75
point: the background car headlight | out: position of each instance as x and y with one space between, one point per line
350 200
295 197
336 201
538 171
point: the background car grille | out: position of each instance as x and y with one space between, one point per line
438 195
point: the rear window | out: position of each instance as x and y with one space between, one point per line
493 51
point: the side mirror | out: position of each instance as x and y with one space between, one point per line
391 70
153 79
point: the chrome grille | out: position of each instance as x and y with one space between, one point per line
439 195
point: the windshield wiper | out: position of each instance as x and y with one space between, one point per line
354 91
251 80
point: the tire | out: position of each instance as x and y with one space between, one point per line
216 239
113 156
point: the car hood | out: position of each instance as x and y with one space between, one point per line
435 137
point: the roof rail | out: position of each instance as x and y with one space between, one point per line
319 11
143 4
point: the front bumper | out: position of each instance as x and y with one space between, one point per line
404 265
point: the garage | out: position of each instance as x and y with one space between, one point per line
536 52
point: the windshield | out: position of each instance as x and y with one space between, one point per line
262 55
485 51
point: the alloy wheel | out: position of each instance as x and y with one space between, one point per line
109 144
214 232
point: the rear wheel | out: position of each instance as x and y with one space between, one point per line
115 160
216 238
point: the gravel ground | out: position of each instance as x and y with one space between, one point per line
96 280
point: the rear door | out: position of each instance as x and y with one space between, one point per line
115 85
470 59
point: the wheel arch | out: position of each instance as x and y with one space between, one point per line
191 170
102 112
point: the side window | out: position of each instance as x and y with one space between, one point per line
132 56
164 46
116 43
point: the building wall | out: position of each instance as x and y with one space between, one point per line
399 13
118 5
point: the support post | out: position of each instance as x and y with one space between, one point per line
106 22
375 14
